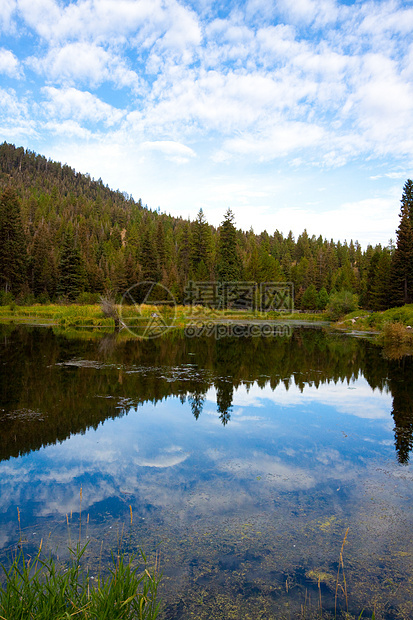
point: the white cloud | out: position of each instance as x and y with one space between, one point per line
386 17
360 401
68 129
308 11
366 220
183 28
161 461
278 474
7 8
166 23
279 141
42 15
174 151
72 103
85 63
9 64
15 118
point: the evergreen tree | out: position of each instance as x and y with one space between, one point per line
71 269
149 256
407 199
201 248
184 253
13 255
160 245
310 298
252 262
380 297
42 268
402 260
322 299
229 263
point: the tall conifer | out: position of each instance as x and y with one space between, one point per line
229 265
71 269
13 254
402 262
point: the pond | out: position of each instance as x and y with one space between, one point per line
243 463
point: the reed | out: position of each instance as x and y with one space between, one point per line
341 586
42 587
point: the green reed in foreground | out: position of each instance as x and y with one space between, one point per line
39 589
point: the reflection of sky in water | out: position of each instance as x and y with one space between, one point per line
275 442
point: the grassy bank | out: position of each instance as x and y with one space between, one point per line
377 321
73 315
392 328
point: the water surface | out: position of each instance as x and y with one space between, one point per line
244 461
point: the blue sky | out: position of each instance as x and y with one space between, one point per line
296 114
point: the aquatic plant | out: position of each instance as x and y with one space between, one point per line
41 589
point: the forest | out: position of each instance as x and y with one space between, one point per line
69 238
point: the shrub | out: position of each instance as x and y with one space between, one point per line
342 303
396 333
6 298
87 299
322 299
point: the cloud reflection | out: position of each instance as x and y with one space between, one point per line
190 468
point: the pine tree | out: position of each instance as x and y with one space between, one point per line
407 199
229 262
149 256
310 298
402 261
380 298
184 253
71 269
42 268
13 255
201 249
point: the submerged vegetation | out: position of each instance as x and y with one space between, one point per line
41 586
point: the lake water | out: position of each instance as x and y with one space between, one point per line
244 462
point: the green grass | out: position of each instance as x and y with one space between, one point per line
377 320
40 589
73 315
55 314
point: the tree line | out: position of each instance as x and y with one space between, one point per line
65 236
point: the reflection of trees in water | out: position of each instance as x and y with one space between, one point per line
44 400
225 392
400 373
196 400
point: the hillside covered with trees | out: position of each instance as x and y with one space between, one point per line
65 236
